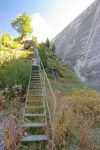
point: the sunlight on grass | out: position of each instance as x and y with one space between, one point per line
13 54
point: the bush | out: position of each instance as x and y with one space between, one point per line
7 41
13 131
42 52
14 67
16 72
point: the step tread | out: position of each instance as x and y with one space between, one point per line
34 107
35 88
35 125
35 77
35 95
34 115
35 138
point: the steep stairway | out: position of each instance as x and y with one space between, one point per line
35 121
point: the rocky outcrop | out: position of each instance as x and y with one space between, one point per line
79 45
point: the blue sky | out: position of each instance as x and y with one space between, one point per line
48 16
9 9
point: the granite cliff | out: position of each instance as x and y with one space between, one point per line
79 45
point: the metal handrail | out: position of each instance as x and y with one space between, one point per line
45 78
27 90
54 97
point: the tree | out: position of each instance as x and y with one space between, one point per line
47 43
22 25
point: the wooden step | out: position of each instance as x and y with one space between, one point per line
35 138
38 125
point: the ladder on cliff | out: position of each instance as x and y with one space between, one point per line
39 107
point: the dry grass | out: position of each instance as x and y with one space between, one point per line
74 119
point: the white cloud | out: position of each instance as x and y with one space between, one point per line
41 29
63 12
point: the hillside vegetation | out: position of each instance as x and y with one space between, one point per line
14 70
77 117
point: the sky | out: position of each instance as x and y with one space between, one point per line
48 17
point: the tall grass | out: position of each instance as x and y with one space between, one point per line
16 72
14 68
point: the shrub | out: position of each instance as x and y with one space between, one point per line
7 41
13 131
16 72
42 52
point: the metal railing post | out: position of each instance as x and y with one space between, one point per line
45 79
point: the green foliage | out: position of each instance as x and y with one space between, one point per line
22 25
14 67
47 43
53 48
16 72
7 41
66 76
17 39
28 44
9 54
42 52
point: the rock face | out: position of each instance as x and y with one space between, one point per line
79 45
